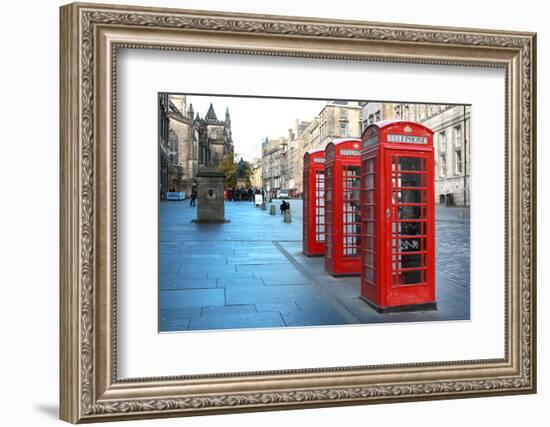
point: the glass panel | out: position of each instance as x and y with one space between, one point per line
369 258
410 228
369 197
402 261
412 164
369 275
411 180
369 166
370 227
410 212
369 212
412 196
369 181
370 243
408 277
412 245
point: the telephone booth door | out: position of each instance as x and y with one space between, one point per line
343 220
411 226
313 225
398 255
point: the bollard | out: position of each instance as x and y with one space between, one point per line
272 210
263 206
287 217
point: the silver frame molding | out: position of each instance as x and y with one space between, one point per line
90 37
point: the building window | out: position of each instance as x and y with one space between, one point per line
443 142
458 162
458 150
343 129
442 154
458 135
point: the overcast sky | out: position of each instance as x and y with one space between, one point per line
252 119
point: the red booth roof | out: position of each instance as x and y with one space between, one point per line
387 123
316 150
338 141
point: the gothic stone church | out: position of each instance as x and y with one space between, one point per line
188 142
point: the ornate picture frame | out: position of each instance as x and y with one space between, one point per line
90 37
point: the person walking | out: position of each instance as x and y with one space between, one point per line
193 196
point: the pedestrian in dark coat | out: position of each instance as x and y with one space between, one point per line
193 196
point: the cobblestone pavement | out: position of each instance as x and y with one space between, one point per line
251 273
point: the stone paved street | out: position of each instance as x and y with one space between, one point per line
251 273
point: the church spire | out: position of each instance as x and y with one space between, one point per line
190 112
227 118
211 114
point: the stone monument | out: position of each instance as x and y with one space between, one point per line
210 197
241 174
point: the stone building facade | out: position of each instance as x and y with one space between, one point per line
273 158
338 119
292 173
451 126
188 142
308 138
256 176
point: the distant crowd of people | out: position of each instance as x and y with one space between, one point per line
243 194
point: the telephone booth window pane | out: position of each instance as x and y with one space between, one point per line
410 180
369 258
413 277
370 228
411 245
369 275
412 164
412 196
410 212
369 212
403 260
370 243
410 228
370 166
369 181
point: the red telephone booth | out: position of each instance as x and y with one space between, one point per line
313 225
398 216
342 207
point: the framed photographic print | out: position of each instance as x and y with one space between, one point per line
267 212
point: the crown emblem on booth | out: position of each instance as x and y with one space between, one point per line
407 129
